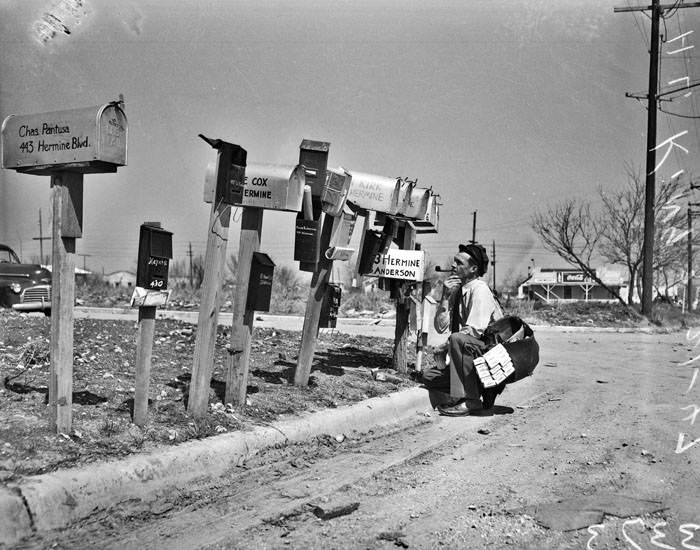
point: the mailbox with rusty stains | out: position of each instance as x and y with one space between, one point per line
268 186
378 193
307 242
155 252
335 191
262 271
429 223
88 140
313 155
330 306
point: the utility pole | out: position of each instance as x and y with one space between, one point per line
689 290
189 253
41 239
493 263
657 10
84 256
473 241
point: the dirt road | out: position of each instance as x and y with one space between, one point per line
589 440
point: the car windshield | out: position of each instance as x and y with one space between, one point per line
7 256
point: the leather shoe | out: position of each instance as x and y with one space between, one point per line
460 409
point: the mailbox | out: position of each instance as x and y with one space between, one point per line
262 270
417 204
313 155
329 308
88 140
268 186
378 193
343 227
307 242
155 252
227 176
374 243
335 191
429 223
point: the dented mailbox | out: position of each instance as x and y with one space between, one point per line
429 223
378 193
88 140
268 186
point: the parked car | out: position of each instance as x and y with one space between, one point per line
24 287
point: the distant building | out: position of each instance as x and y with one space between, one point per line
120 278
571 285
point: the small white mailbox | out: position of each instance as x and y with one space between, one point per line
343 226
417 207
88 140
378 193
268 186
335 191
429 223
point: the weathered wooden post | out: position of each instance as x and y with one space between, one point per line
311 240
400 289
229 181
65 145
151 291
270 187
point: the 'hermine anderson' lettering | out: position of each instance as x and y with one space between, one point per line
257 193
388 260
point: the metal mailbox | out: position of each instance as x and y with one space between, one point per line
335 191
378 193
155 252
268 186
429 223
87 140
313 155
330 306
374 243
224 179
341 233
417 207
262 270
307 242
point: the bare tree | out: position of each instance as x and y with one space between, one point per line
622 238
571 231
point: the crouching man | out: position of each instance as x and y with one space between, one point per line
466 308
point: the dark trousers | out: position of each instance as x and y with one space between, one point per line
459 379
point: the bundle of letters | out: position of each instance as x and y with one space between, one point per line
494 366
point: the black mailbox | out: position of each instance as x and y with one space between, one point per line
330 306
262 269
313 155
155 252
307 243
230 171
375 242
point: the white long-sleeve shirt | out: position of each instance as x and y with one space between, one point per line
477 309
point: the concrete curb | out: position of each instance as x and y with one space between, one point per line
55 500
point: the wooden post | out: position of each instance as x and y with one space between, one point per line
67 205
312 315
214 263
242 321
144 347
403 308
423 325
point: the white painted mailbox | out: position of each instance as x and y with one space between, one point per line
429 223
335 191
378 193
87 140
399 264
268 186
417 204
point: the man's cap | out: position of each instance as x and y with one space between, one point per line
477 253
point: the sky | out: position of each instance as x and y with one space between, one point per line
501 108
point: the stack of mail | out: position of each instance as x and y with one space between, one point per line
494 366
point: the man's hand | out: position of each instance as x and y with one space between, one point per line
450 285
